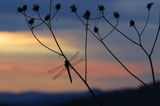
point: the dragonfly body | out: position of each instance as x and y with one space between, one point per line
67 66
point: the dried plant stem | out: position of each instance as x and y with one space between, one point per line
115 57
62 54
86 48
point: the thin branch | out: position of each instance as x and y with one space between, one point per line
53 16
84 25
118 30
109 33
85 82
86 48
145 23
155 41
139 35
152 70
39 40
114 55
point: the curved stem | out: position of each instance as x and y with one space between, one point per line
111 30
114 55
118 30
39 40
145 23
155 41
85 24
139 35
123 65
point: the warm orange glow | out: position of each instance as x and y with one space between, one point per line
24 42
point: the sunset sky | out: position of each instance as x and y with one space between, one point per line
24 62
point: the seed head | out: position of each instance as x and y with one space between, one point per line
35 7
116 15
96 29
132 23
101 8
73 8
58 6
19 9
87 15
47 17
149 5
31 21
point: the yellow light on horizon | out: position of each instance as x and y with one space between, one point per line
24 42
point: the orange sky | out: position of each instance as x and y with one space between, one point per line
24 64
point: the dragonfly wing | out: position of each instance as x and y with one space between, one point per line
77 62
55 69
74 56
58 74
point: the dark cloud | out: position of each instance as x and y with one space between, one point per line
10 19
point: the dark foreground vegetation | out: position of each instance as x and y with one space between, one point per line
141 96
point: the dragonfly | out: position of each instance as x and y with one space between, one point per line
59 70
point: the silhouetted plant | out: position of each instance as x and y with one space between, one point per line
47 20
34 22
99 37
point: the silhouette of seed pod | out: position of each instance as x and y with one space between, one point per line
101 8
58 6
132 23
35 7
31 21
87 15
19 9
73 8
47 17
116 15
149 6
96 29
24 8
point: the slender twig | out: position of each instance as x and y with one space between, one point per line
86 48
155 41
31 28
145 25
84 25
112 53
118 30
109 33
64 56
139 35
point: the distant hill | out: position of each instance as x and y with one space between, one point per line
38 98
141 96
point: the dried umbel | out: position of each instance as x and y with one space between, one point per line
58 6
47 17
132 23
116 15
87 15
19 9
96 29
73 8
35 7
149 6
24 8
31 21
101 8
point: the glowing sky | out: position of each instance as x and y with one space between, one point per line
24 63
